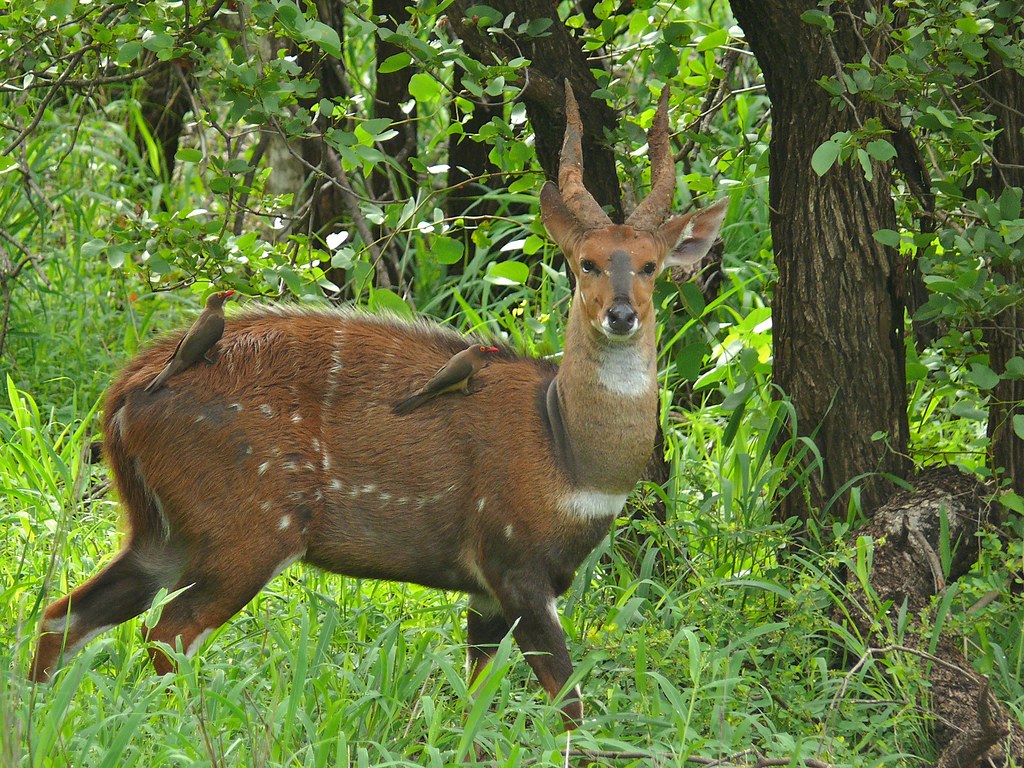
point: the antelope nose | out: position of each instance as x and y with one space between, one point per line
621 318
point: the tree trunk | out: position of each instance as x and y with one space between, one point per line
555 57
971 727
164 102
392 90
1005 335
838 319
470 170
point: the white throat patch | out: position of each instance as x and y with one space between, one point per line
593 505
624 370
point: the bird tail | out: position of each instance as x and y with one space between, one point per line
161 377
410 404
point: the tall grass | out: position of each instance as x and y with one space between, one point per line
691 635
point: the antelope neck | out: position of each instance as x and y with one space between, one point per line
606 406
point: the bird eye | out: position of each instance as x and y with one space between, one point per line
587 266
649 268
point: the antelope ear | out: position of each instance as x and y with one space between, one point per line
563 227
688 238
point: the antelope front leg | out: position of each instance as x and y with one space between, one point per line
538 631
485 628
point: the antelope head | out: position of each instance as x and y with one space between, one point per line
615 264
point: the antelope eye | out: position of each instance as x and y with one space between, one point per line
587 266
649 268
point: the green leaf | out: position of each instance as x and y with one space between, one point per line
484 15
1018 425
733 424
384 300
818 18
58 9
93 247
160 41
880 149
888 237
507 273
690 358
824 157
1012 501
967 410
447 250
982 376
325 37
189 155
715 39
538 27
129 52
917 372
423 87
116 256
692 298
394 63
865 164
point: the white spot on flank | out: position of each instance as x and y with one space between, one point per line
285 522
509 530
316 445
593 505
266 506
267 411
625 370
385 497
336 484
402 500
368 488
199 418
236 406
198 641
296 417
262 468
480 504
326 462
291 466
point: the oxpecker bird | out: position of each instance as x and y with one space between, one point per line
454 376
197 341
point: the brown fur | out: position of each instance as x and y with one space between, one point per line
287 447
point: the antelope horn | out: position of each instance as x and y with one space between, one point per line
653 209
577 199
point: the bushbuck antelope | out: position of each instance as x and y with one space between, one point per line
288 449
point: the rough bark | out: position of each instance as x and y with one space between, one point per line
971 727
471 173
837 313
164 103
392 90
554 57
1005 334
